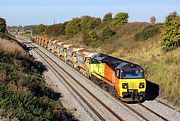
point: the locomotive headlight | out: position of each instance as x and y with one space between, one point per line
124 85
141 85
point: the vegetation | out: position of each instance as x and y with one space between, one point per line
39 29
2 25
89 38
148 32
141 43
121 18
107 33
170 33
73 27
23 93
3 31
107 18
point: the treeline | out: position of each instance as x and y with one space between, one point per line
96 30
87 26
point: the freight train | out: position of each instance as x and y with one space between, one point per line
123 79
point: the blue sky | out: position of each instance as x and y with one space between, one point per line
23 12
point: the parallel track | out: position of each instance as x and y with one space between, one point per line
153 112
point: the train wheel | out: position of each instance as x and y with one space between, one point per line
112 91
104 86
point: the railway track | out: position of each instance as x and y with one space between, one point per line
84 100
100 117
153 112
126 105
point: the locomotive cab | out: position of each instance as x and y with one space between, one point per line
132 83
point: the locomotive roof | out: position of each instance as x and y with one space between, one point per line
113 62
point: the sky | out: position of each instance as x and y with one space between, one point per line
23 12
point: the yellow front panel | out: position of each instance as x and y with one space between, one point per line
133 84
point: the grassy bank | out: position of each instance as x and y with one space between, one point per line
24 95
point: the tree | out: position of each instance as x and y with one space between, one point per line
107 33
170 32
89 37
73 27
121 18
58 29
48 30
107 18
153 20
39 29
89 22
2 25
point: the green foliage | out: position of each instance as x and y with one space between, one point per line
58 29
39 29
148 32
107 18
170 32
89 23
73 27
107 33
23 92
89 38
48 30
121 18
2 25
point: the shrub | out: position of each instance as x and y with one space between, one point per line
89 23
48 30
148 32
121 18
23 93
2 25
107 18
107 33
170 34
58 29
39 29
73 27
89 37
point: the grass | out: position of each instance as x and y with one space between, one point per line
27 34
23 92
10 47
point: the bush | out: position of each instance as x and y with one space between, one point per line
3 25
170 34
89 38
73 27
39 29
148 32
121 18
23 93
58 29
89 23
107 33
107 18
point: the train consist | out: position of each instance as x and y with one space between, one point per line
122 79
